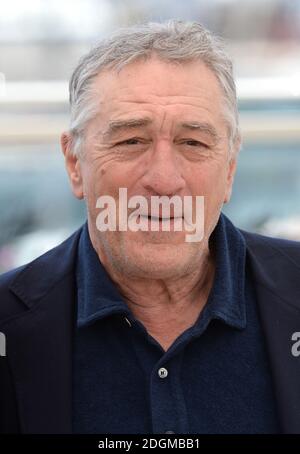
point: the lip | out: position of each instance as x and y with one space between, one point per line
158 224
159 220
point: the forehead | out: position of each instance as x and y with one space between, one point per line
155 85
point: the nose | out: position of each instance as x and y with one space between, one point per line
163 175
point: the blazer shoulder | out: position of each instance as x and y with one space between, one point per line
275 266
34 278
254 239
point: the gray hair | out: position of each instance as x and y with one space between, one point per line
173 40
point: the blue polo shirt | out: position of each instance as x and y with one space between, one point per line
215 377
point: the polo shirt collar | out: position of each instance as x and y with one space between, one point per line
98 296
226 300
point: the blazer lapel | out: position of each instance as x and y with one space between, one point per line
277 282
39 341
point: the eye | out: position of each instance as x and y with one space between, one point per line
194 143
132 141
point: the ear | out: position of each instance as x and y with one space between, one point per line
72 165
230 178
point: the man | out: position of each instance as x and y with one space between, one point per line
138 330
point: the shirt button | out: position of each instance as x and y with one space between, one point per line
162 372
128 322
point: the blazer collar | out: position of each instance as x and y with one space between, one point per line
39 276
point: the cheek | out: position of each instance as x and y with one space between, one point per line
98 181
209 180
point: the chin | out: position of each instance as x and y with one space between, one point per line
154 270
159 261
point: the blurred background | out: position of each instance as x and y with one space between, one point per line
40 44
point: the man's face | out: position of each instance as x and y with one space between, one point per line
145 139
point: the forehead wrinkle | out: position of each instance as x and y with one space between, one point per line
193 100
160 104
163 121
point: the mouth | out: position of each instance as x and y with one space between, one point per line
161 223
159 218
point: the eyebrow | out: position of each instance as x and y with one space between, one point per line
120 125
116 126
203 127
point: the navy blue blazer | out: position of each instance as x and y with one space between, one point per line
37 317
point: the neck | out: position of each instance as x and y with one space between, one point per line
167 307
